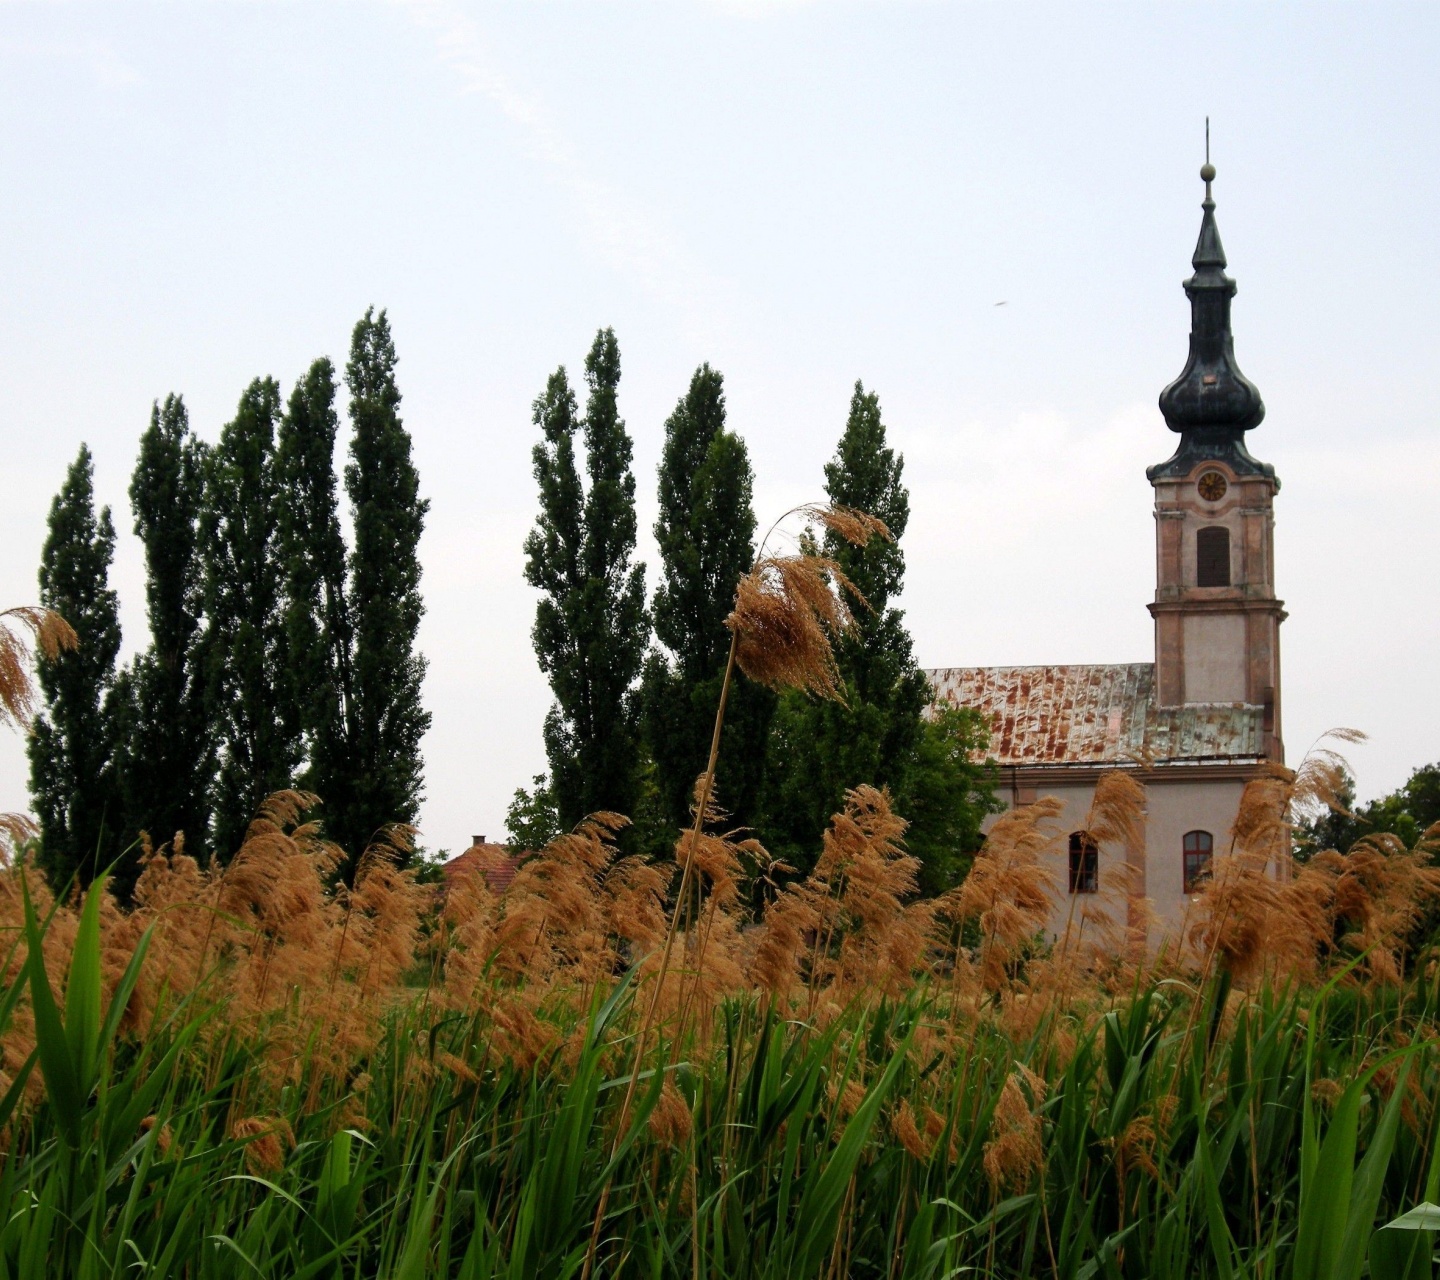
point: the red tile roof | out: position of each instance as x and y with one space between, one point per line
497 864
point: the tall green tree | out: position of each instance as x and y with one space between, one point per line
246 656
73 776
880 734
706 537
1407 813
591 626
319 635
169 747
388 718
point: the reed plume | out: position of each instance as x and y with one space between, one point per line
49 635
1015 1150
1009 890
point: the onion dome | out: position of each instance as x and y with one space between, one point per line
1211 404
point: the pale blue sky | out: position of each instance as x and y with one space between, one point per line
802 194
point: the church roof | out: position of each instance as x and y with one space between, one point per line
1098 714
1211 404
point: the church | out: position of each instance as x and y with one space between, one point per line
1203 718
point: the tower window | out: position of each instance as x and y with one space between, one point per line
1199 848
1084 863
1212 556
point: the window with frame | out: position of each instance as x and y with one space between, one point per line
1084 863
1199 848
1212 556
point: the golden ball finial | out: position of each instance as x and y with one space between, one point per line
1207 172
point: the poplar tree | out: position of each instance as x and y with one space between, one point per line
318 632
879 734
248 685
591 626
169 746
388 720
706 534
72 749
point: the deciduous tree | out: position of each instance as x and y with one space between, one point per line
706 537
318 631
879 734
591 626
73 777
386 772
169 748
248 685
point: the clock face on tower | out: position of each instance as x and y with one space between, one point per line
1212 486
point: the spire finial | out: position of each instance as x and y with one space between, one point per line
1212 404
1207 170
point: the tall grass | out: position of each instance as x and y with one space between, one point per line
251 1073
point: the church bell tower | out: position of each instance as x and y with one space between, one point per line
1217 621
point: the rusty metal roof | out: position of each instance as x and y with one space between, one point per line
1097 714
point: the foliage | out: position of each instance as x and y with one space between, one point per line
169 752
705 533
319 634
1405 813
949 794
532 820
74 743
253 1073
878 733
591 625
389 719
249 696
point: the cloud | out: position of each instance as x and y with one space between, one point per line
758 8
106 67
631 239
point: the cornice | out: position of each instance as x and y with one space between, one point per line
1224 604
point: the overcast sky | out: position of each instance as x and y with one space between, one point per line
802 194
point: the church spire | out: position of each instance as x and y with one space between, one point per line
1211 404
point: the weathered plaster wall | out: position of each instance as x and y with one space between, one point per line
1216 666
1173 807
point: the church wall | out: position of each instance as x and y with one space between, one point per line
1172 809
1084 908
1215 657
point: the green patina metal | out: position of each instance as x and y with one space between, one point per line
1211 404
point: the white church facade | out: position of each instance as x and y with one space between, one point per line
1203 718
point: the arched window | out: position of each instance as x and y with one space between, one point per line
1212 556
1199 846
1084 863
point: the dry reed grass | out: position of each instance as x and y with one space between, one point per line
1266 916
311 968
789 608
48 635
25 632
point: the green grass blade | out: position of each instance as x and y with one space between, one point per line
820 1203
1423 1217
82 992
17 1088
1368 1185
120 997
56 1065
